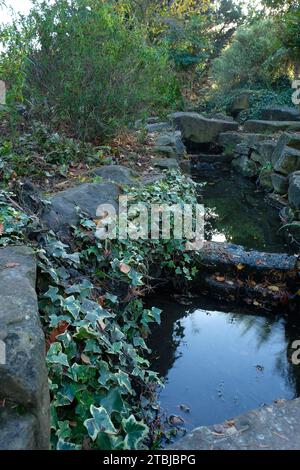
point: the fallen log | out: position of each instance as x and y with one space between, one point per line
235 257
231 273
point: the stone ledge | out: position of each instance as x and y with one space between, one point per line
274 427
23 376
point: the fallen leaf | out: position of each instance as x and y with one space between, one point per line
124 268
240 266
101 324
176 420
85 359
273 288
11 265
61 328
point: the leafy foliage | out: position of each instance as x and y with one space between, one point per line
96 324
35 150
102 78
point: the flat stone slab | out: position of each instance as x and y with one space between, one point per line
63 214
271 126
274 427
198 129
118 174
23 373
280 113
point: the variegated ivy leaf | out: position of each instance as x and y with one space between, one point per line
100 422
124 381
56 356
71 305
136 432
52 294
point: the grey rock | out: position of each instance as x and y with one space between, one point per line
273 427
293 140
294 230
185 166
280 183
221 117
23 377
62 213
245 166
197 129
141 123
294 192
166 163
265 180
288 162
171 144
280 113
265 152
166 151
17 432
230 139
240 103
158 127
270 126
287 214
117 174
242 149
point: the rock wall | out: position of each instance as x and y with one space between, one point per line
273 157
24 393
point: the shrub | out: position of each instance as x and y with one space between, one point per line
92 70
250 59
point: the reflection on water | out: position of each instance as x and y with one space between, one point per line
238 214
221 364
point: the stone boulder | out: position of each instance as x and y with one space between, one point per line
265 150
270 126
280 113
280 183
245 166
117 174
197 129
23 373
288 162
293 140
232 139
265 180
240 103
170 144
62 213
270 427
158 127
294 191
166 163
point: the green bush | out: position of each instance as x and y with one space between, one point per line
91 70
250 59
279 94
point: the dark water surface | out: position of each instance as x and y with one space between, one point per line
240 214
223 361
220 364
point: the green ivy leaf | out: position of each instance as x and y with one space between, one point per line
136 432
100 422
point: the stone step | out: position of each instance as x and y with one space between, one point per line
23 373
271 126
280 113
273 427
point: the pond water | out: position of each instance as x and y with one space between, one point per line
220 364
219 361
238 213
